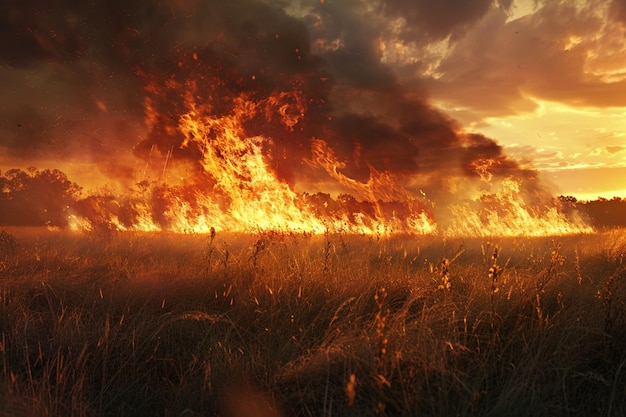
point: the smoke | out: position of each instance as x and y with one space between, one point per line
103 79
432 21
618 10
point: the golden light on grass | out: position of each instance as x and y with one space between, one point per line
341 324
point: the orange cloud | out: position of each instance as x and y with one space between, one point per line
563 52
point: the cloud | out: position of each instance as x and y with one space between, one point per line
437 20
618 11
564 51
614 149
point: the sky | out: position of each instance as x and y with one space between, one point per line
436 93
556 73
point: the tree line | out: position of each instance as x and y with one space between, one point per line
48 198
36 198
601 213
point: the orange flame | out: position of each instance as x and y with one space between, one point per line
257 198
237 190
504 214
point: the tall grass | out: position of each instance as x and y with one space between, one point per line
335 325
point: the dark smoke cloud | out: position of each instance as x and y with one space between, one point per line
380 121
68 90
618 10
437 20
89 70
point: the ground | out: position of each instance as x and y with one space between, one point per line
279 324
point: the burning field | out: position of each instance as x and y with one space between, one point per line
253 208
246 116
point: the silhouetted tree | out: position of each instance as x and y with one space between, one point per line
605 213
36 198
567 199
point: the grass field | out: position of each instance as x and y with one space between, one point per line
274 324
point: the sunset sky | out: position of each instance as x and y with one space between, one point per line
545 80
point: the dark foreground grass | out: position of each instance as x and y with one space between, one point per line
291 325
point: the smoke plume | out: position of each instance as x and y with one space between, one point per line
111 81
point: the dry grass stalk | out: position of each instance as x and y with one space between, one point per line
445 275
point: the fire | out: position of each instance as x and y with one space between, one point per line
504 213
255 197
236 189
